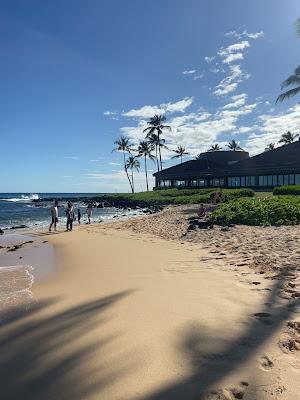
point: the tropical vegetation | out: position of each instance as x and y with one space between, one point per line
215 147
281 210
180 152
233 145
293 81
288 137
287 190
145 150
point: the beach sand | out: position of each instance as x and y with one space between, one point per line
128 314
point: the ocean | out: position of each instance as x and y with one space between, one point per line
33 209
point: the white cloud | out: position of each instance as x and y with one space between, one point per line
148 111
109 113
237 101
233 57
67 176
269 128
113 163
196 77
71 158
230 82
209 59
245 34
189 72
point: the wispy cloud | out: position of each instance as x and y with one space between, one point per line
71 158
148 111
209 59
113 163
189 72
245 34
67 176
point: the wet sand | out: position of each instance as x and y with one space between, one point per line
130 315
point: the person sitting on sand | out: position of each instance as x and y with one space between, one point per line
70 216
78 215
201 211
54 215
89 211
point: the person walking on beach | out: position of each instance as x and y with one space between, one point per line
89 211
54 215
78 215
70 216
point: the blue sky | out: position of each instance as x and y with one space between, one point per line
76 75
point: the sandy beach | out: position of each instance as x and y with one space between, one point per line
145 309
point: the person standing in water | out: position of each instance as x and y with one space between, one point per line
78 215
54 215
70 216
89 211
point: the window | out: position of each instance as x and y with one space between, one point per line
297 179
280 180
234 181
291 179
179 183
217 182
198 182
274 180
250 180
285 179
164 183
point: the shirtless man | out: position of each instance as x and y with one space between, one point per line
54 215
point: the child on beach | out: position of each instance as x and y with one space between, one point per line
89 211
70 216
54 215
78 215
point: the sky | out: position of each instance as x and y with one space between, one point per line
75 76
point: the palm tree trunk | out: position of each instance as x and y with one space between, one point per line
146 173
132 180
157 162
131 187
159 150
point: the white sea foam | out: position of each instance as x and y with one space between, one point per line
23 198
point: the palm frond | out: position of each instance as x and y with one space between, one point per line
288 94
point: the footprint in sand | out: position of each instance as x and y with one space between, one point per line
230 393
266 363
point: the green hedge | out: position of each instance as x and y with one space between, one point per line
286 190
174 196
283 210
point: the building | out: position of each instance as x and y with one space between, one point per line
235 169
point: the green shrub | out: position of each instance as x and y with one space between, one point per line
285 190
283 210
230 194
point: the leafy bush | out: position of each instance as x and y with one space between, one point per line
173 196
284 210
285 190
230 194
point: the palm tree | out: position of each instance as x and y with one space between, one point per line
123 144
153 140
292 80
132 163
288 137
233 145
156 126
215 147
145 150
271 146
180 152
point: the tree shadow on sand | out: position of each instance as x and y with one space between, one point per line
38 359
210 367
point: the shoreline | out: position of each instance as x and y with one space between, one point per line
148 318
